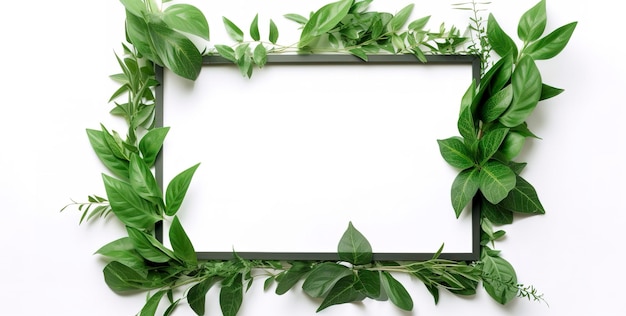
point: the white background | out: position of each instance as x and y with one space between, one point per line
56 58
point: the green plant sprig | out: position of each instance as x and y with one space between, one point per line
492 131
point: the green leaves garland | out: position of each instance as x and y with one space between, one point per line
492 132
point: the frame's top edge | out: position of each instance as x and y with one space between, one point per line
347 58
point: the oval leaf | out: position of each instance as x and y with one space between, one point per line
496 181
127 205
497 104
527 87
552 44
254 29
533 22
454 152
396 292
177 189
499 40
464 188
323 277
354 247
499 278
273 32
187 18
343 292
323 20
177 52
151 143
523 199
233 30
183 248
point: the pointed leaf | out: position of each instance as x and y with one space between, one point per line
231 296
497 104
139 35
396 291
523 199
499 278
495 213
254 28
419 24
196 297
454 152
354 247
151 143
183 248
533 22
233 30
292 276
177 52
177 189
148 247
343 292
226 52
500 42
149 309
368 283
359 53
527 86
466 125
273 32
548 92
489 144
464 188
324 20
323 277
296 18
121 278
122 250
398 20
260 55
187 18
136 7
118 166
552 44
142 180
127 205
496 181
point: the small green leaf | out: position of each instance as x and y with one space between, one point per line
292 276
552 44
127 205
148 247
419 24
149 309
177 189
464 188
226 52
170 309
118 166
323 277
489 144
187 18
231 296
151 143
273 32
123 251
354 247
548 92
233 30
142 180
454 152
501 43
183 248
196 297
523 199
368 283
324 20
136 7
398 20
359 53
396 291
260 55
343 292
499 278
496 181
254 28
360 6
527 86
497 104
533 22
296 18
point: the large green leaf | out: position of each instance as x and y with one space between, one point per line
149 309
533 22
496 181
398 295
527 87
196 297
151 143
121 278
292 276
523 199
500 42
138 35
398 20
176 51
187 18
495 213
489 144
123 251
148 247
512 145
454 152
118 166
368 283
552 44
181 244
324 20
233 30
466 125
136 7
499 278
464 188
177 189
344 291
231 296
497 104
142 180
354 247
127 205
323 277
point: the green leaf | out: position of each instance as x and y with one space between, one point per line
196 297
187 18
454 152
323 277
151 143
177 189
231 296
177 52
149 309
343 292
260 55
419 24
496 181
353 247
499 278
136 7
296 18
548 92
489 144
324 20
359 53
512 145
118 166
527 86
360 6
139 35
533 22
396 291
233 30
121 278
495 213
127 205
464 188
254 28
497 104
273 32
148 247
142 180
183 248
398 21
115 143
523 199
468 98
500 42
552 44
226 52
170 309
292 276
466 125
123 251
368 283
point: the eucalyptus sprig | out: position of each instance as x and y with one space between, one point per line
492 127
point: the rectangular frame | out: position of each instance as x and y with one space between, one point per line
332 60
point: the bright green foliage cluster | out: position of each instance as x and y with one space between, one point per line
492 132
493 128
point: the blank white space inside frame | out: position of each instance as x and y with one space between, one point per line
292 155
